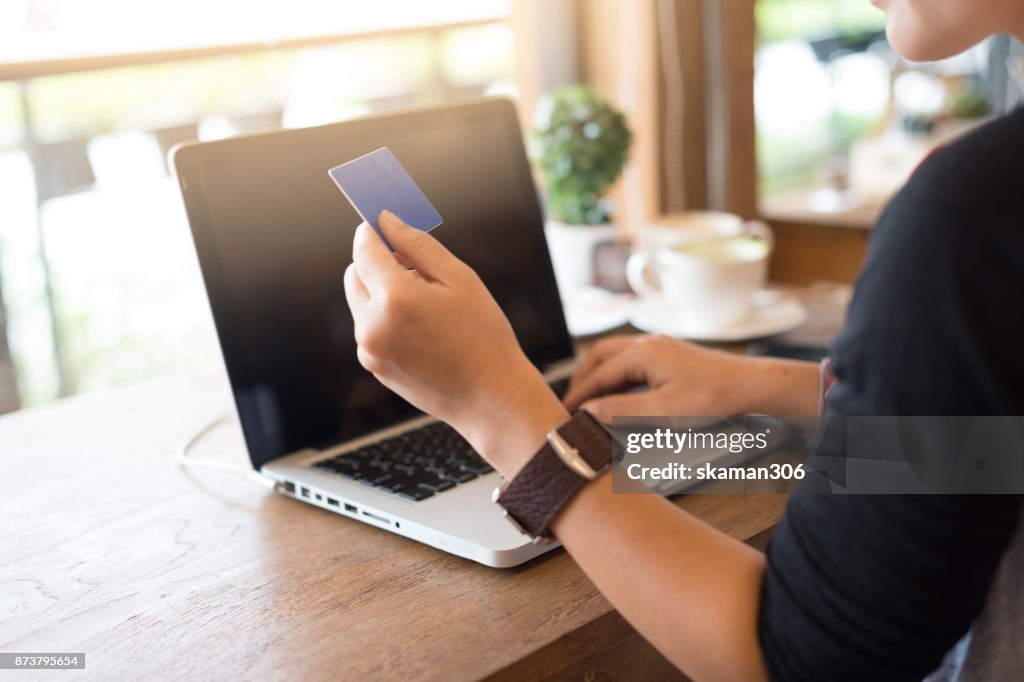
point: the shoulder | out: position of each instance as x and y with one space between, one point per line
969 184
961 211
944 254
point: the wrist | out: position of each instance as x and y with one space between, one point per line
517 414
777 387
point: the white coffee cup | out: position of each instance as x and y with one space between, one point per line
705 275
688 226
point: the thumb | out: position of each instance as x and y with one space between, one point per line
624 405
417 248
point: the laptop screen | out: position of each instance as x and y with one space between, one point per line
274 236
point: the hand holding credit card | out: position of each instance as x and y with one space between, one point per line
377 182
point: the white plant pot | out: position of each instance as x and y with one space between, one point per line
572 251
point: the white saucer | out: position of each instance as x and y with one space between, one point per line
772 315
590 310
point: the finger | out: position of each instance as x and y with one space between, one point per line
369 362
417 248
375 265
358 301
403 261
601 351
620 371
355 291
624 405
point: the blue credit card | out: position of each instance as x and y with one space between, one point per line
377 182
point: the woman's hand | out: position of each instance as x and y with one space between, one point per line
688 380
434 335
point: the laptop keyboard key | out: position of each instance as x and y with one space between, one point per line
399 482
377 479
459 476
437 484
415 494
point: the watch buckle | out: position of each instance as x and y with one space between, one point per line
571 457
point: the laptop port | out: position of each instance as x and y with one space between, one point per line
379 519
351 508
331 501
289 487
305 492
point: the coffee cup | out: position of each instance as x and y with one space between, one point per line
688 226
705 275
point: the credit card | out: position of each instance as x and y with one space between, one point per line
377 182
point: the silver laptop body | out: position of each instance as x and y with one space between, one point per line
273 236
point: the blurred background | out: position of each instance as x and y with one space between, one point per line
792 110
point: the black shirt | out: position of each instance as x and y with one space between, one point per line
880 587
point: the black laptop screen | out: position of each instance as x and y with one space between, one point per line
274 236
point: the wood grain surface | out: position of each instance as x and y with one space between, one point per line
107 547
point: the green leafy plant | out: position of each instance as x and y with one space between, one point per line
580 145
969 101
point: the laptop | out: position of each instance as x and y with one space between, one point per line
273 235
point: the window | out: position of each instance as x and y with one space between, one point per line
98 275
841 119
818 86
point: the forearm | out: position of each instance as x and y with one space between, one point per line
690 590
778 387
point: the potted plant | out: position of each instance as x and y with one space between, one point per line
580 145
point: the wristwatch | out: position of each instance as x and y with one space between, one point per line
576 453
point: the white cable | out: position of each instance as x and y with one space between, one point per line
185 461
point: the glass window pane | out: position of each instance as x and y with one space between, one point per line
95 252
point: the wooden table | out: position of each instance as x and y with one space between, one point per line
107 547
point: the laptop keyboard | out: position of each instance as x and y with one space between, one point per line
417 464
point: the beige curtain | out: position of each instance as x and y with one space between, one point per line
619 56
683 73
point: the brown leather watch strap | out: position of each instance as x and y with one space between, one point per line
545 485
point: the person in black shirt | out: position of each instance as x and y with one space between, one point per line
883 587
